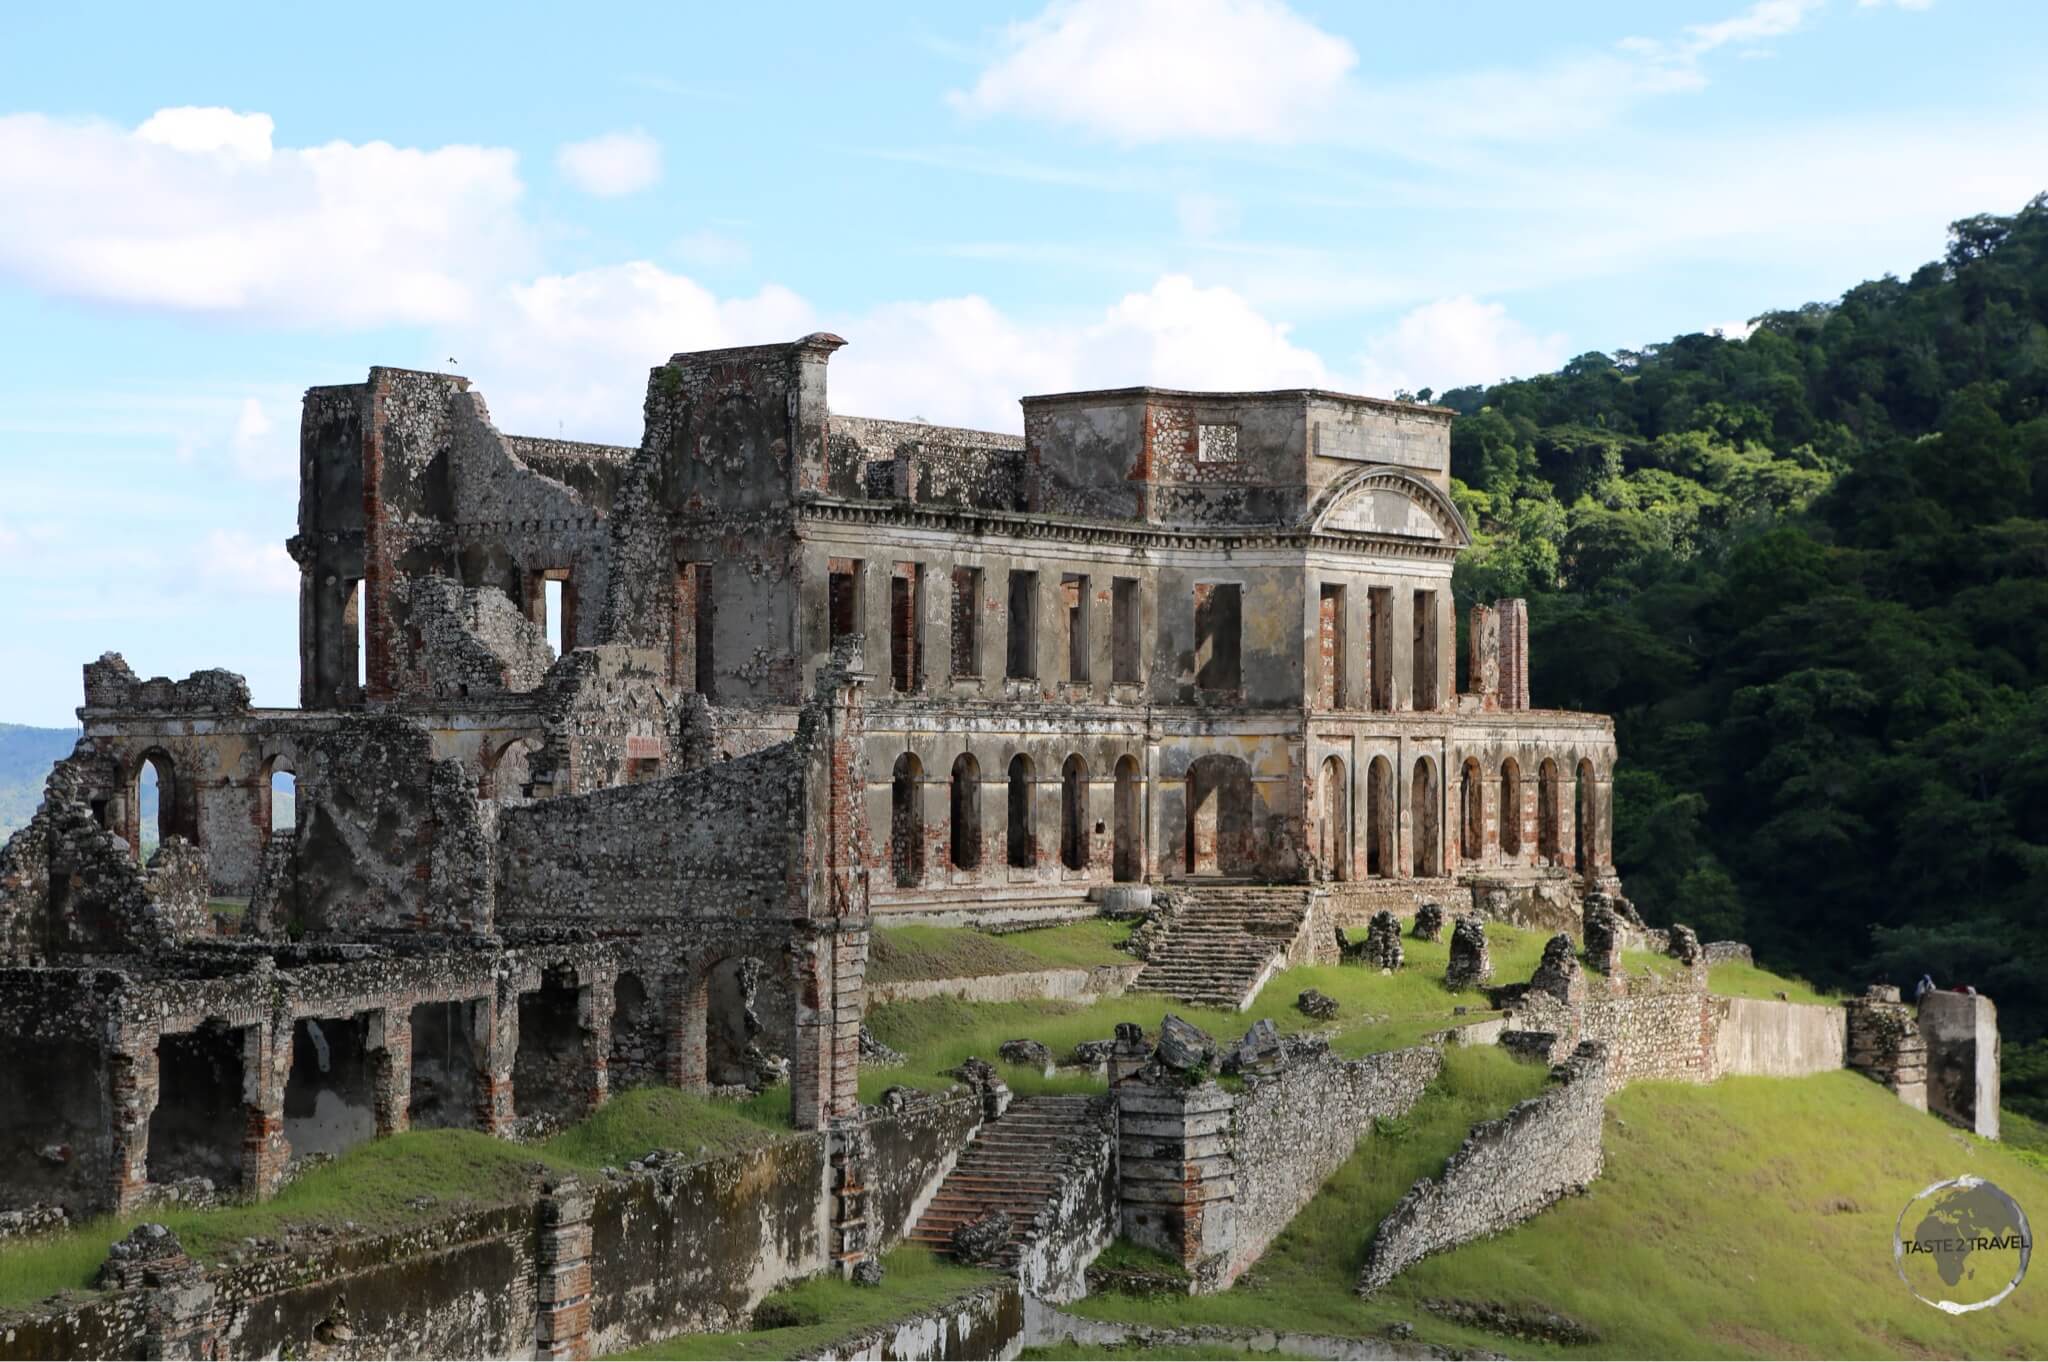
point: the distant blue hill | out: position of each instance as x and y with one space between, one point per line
26 755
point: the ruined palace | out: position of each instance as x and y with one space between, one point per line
608 758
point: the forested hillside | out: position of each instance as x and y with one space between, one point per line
1808 574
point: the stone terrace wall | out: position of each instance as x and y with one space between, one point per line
1293 1130
1506 1171
1778 1040
1663 1029
573 1271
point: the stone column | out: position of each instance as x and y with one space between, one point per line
390 1046
132 1089
1176 1172
851 1239
1960 1031
266 1064
494 1029
1885 1044
562 1286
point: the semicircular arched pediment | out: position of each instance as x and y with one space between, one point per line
1390 502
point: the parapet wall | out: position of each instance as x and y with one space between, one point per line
1506 1171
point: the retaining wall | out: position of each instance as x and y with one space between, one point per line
1778 1040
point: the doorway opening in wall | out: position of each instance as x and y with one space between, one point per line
1074 813
1330 647
1219 619
1424 811
1425 652
1379 818
1510 808
1379 638
1334 846
906 821
198 1125
906 609
749 1016
1585 823
842 598
1124 656
1219 831
1471 812
965 812
1074 597
329 1102
1130 851
1549 841
1021 828
445 1089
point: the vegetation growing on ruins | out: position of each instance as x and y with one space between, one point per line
824 1310
1379 1012
1807 572
405 1179
921 952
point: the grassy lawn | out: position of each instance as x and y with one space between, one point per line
379 1185
1750 1218
900 954
1083 1352
1378 1012
1733 979
830 1309
1305 1280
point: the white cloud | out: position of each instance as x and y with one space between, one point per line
1736 330
261 450
612 163
196 210
1154 70
569 353
1454 342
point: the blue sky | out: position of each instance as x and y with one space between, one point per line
204 210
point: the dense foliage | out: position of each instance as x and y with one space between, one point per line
1807 571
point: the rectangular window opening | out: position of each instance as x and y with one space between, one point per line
1380 637
1023 650
906 596
1074 587
551 612
967 621
843 599
1330 647
1425 650
1123 628
1218 630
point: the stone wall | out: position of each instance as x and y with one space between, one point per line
1211 1178
1079 1218
1778 1040
574 1269
987 1322
1506 1171
1961 1034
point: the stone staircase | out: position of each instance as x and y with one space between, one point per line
1224 941
1015 1164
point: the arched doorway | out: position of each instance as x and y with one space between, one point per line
1380 816
1471 813
749 1020
966 812
906 821
1074 813
1549 842
1510 808
1586 822
1021 830
1219 832
1425 812
505 772
1333 844
1130 845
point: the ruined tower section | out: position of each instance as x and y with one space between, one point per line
705 563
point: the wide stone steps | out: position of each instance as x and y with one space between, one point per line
1014 1165
1224 942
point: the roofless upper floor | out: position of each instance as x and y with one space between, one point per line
750 427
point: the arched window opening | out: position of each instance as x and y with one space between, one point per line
1130 849
1021 840
1074 814
156 802
280 795
966 813
1510 808
906 821
1585 825
1380 816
